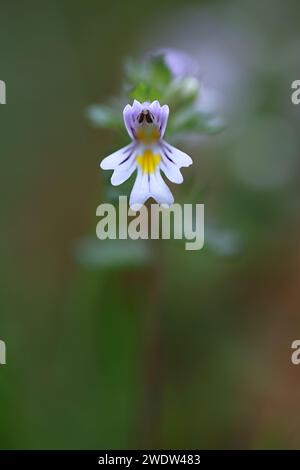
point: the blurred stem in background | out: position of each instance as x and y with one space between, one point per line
153 359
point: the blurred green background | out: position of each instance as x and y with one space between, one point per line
167 348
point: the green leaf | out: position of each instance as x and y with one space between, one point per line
104 116
153 72
190 120
144 92
160 74
102 254
181 92
147 81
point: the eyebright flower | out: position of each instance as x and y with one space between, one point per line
148 153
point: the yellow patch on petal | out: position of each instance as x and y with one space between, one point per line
148 161
147 135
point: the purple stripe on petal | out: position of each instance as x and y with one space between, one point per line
131 151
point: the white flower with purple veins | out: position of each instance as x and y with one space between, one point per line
148 153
